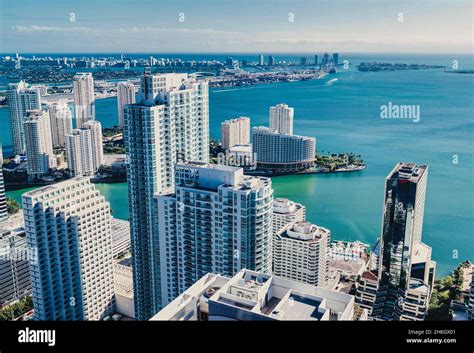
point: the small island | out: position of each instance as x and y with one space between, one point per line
380 66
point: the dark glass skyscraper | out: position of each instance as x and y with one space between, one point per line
405 191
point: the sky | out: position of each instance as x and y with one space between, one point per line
252 26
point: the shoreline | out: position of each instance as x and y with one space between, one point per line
115 180
304 172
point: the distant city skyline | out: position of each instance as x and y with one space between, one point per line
213 26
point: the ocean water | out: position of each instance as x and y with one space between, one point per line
345 117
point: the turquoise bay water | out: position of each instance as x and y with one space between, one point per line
345 117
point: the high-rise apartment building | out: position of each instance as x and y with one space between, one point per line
169 122
125 96
335 58
235 132
84 149
95 129
20 98
299 253
61 122
79 153
215 220
286 212
84 100
282 152
68 226
3 198
38 142
281 119
261 60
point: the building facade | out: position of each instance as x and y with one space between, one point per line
216 220
61 122
68 226
281 119
84 100
406 271
95 129
120 237
38 143
14 269
235 132
300 253
20 98
84 149
280 152
125 96
3 197
169 122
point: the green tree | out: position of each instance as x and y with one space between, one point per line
12 205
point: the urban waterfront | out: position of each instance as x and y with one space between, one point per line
345 117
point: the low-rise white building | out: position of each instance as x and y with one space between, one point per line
120 237
252 295
123 287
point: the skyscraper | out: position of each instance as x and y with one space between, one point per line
281 119
21 98
261 60
402 224
170 121
316 60
79 153
235 132
3 199
38 142
61 122
303 61
325 60
68 227
215 220
95 129
299 253
125 96
335 58
84 100
271 60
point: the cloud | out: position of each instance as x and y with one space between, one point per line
36 28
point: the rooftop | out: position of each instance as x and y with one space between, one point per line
285 206
304 231
408 171
261 295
